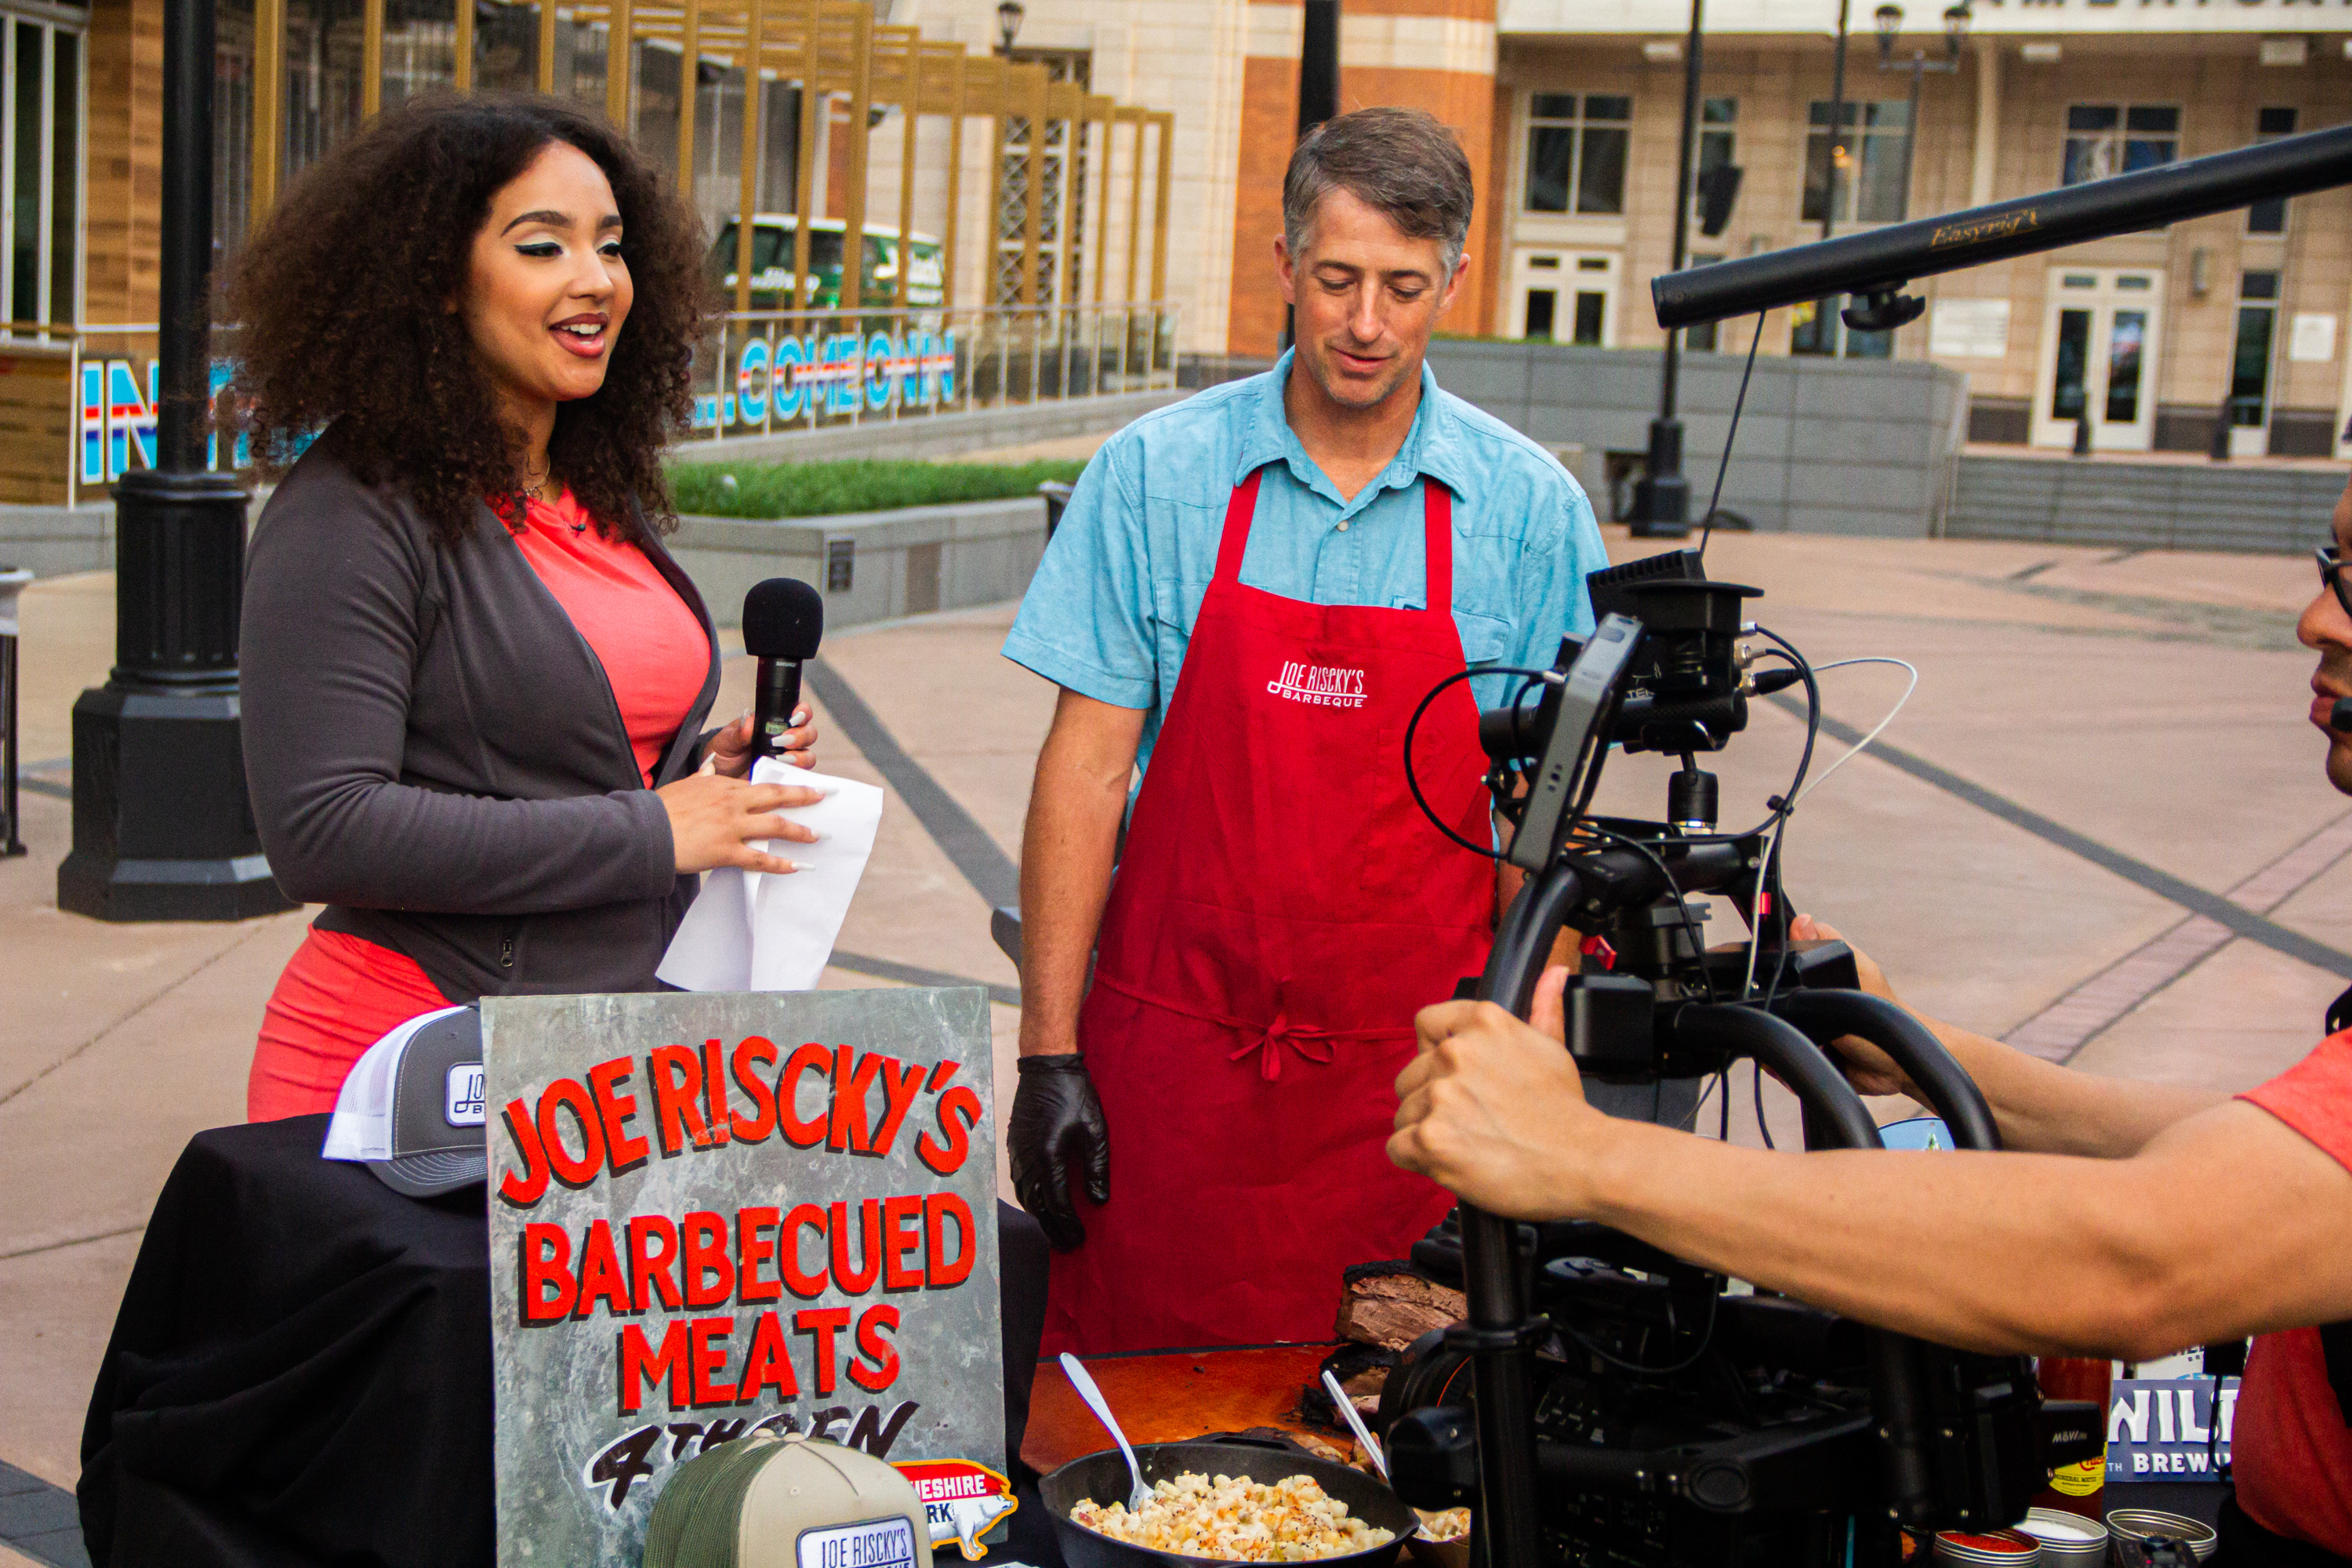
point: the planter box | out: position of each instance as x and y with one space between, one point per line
872 565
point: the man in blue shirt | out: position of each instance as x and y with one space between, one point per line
1249 596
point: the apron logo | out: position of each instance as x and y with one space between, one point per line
1320 685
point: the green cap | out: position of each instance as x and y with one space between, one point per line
765 1502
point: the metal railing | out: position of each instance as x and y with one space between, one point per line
80 405
769 372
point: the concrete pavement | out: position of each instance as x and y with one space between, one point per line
2096 736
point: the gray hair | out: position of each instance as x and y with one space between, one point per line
1403 162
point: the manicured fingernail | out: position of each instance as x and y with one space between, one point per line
800 717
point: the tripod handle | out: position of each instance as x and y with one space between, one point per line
1948 1088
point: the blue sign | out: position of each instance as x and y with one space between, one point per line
2170 1430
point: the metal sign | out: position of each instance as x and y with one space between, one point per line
2168 1429
712 1214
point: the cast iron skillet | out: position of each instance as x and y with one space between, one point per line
1102 1477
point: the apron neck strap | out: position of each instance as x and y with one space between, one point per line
1437 538
1437 545
1236 539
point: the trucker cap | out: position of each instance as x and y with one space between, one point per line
764 1502
412 1109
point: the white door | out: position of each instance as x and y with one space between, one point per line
2099 343
1565 297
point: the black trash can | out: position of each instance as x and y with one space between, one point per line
1057 495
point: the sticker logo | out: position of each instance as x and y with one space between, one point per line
1319 685
876 1543
462 1104
962 1500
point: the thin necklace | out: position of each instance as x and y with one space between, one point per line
538 481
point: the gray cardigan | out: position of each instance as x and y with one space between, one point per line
436 754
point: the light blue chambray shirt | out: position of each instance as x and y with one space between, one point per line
1111 607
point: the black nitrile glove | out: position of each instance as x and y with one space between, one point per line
1055 1134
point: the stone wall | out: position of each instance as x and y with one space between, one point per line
1825 446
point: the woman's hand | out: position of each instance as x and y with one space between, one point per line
729 752
714 820
1868 1068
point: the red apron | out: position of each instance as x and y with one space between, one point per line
1280 913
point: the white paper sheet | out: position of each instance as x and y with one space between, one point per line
753 931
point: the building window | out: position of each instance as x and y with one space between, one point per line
2270 217
1576 151
1716 118
40 182
1816 327
1701 338
2104 139
1062 196
2250 366
1870 183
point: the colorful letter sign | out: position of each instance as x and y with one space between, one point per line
712 1214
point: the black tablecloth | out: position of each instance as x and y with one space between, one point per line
300 1372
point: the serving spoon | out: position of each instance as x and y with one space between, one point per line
1138 1496
1355 1421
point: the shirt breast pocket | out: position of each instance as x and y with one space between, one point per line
1486 639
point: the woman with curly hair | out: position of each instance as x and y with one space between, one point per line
474 681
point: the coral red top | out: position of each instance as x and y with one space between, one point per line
338 994
2290 1451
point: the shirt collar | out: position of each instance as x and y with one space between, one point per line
1433 446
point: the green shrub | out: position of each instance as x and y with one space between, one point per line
817 490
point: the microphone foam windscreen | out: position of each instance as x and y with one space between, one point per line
784 618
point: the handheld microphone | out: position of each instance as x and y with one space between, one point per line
2339 718
783 621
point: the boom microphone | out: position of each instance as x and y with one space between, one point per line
783 620
1874 266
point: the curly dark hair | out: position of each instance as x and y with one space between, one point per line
343 300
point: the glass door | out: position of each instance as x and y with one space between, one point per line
2098 358
40 170
1564 296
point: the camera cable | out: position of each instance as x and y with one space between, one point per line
1706 528
1534 677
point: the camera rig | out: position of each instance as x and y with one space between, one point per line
1623 1407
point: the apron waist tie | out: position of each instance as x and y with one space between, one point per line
1265 1039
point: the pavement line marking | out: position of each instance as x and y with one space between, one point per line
2087 1010
23 1492
2220 911
75 1241
911 974
133 1013
988 869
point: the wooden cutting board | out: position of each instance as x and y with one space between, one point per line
1167 1397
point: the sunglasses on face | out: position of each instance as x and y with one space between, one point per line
2331 572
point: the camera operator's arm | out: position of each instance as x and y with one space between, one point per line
2042 1108
2229 1223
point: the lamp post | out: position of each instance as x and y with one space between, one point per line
1889 22
161 825
1318 97
1661 495
1008 24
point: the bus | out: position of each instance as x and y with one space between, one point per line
773 236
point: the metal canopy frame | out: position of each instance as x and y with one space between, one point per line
832 49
